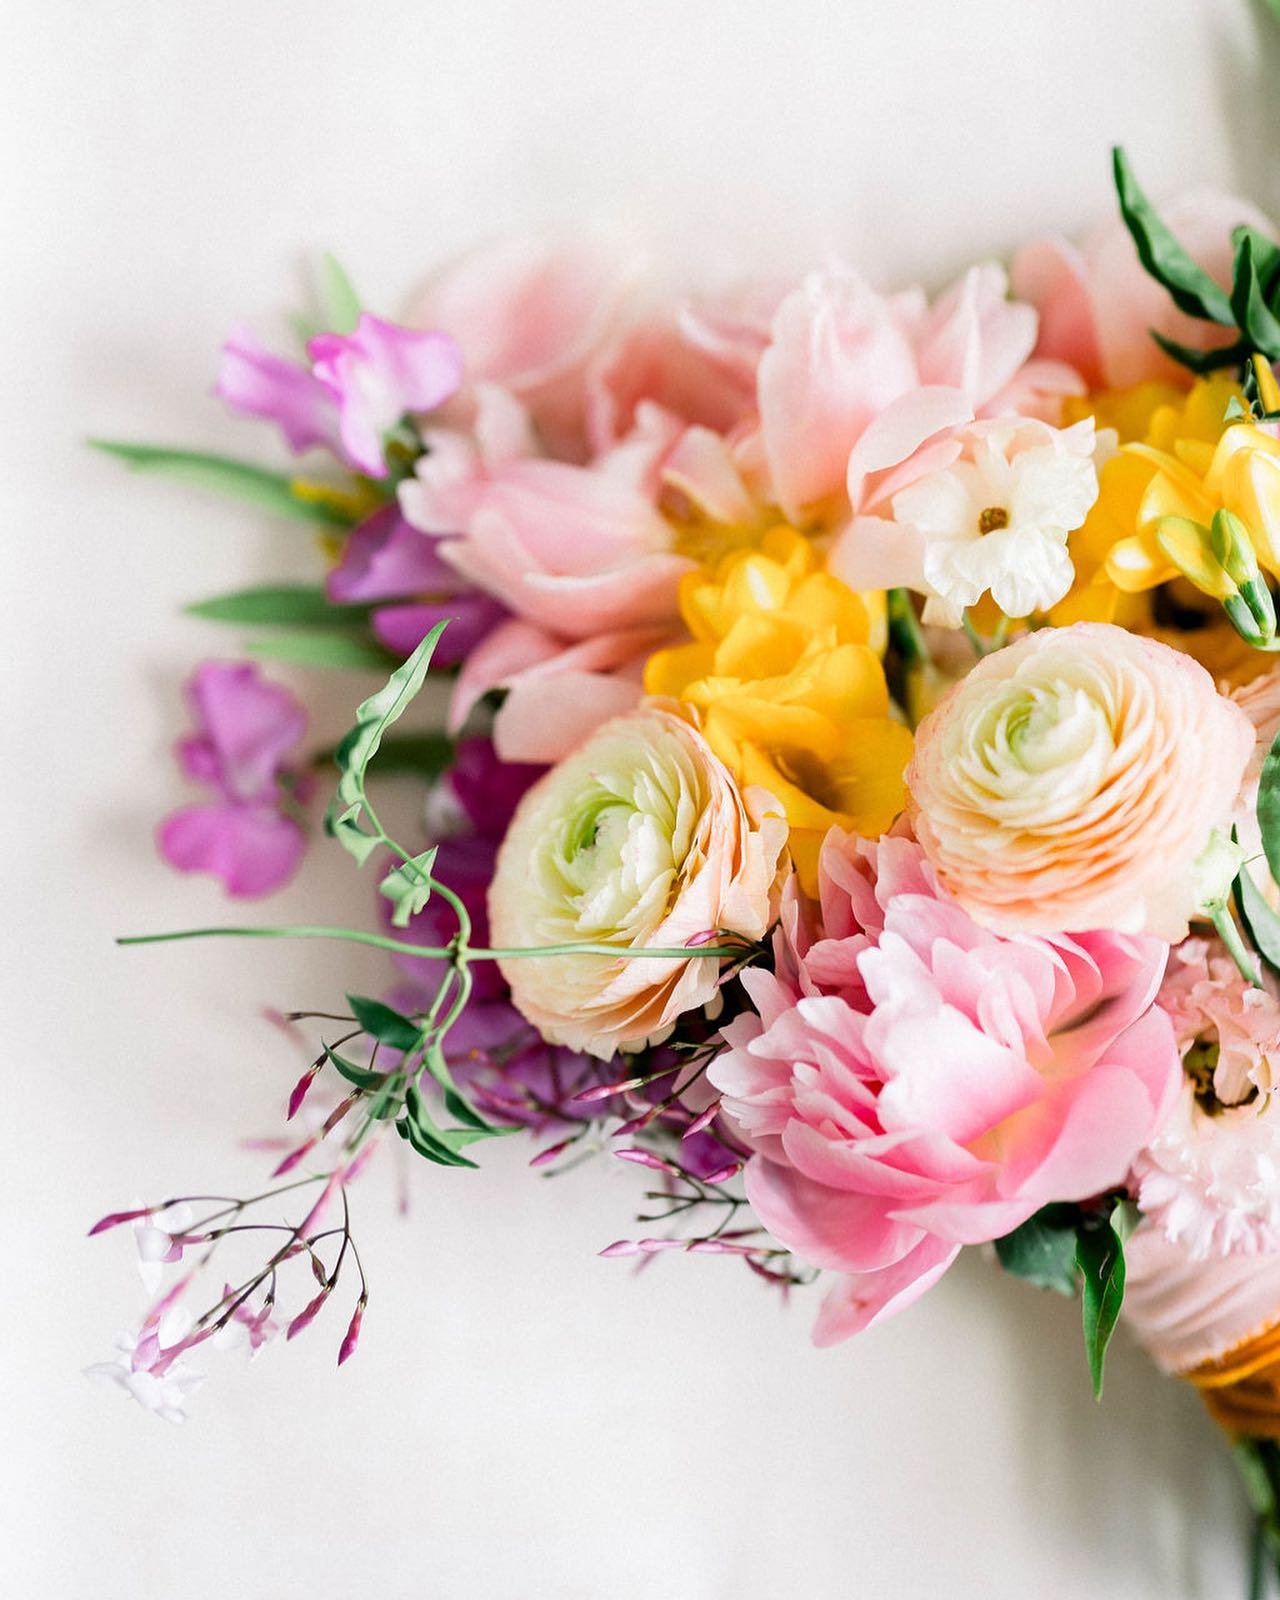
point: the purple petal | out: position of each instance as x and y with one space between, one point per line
255 383
471 616
388 559
379 373
252 848
248 727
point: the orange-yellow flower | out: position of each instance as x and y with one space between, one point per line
790 689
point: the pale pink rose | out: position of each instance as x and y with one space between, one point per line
1211 1178
914 1082
1073 779
1098 305
578 551
639 839
1185 1311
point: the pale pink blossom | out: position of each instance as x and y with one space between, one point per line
1259 699
913 1082
1098 305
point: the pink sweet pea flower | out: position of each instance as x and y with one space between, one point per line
377 375
248 729
255 383
1098 306
913 1082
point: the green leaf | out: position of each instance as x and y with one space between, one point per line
425 755
1202 361
278 605
361 1077
1269 807
1042 1254
1261 924
321 647
339 302
350 835
408 886
429 1139
1100 1258
1193 290
384 1023
373 717
1249 303
1266 256
271 491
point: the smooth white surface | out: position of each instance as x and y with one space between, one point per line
523 1419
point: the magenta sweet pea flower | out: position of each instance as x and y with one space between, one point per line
247 731
386 559
255 383
376 375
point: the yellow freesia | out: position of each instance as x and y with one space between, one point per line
1149 418
784 670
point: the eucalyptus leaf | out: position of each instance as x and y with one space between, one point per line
384 1023
271 491
280 605
1042 1254
321 647
1191 287
408 886
1100 1258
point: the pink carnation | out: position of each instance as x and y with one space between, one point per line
914 1082
1210 1178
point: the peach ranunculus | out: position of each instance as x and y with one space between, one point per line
1098 306
639 839
1073 779
912 1082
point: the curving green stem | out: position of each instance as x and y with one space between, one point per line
459 954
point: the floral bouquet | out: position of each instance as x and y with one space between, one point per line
858 803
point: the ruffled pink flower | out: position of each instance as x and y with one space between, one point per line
247 732
1098 306
1211 1178
913 1082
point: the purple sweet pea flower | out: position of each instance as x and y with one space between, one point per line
255 383
376 375
387 559
247 730
358 386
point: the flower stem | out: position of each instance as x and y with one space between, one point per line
1229 933
904 628
440 952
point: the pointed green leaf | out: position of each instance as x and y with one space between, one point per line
1042 1254
425 755
321 647
384 1023
345 828
339 302
1261 924
1249 303
1266 257
1100 1258
361 1077
382 709
429 1139
280 605
408 886
271 491
1193 290
1269 807
1202 361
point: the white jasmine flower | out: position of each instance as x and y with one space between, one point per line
997 519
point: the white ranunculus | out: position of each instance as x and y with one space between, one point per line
638 839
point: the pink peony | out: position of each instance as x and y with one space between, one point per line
1073 779
914 1082
1098 305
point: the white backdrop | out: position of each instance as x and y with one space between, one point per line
523 1419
